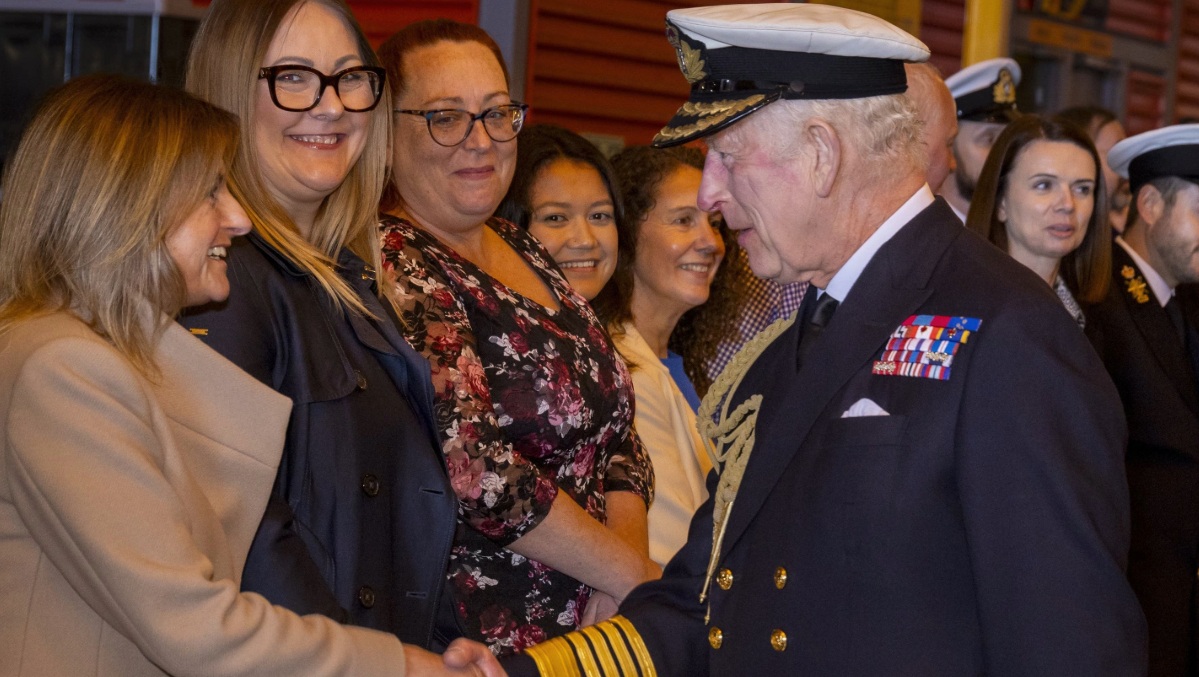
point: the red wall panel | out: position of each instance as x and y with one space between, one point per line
942 24
1144 109
381 18
604 67
1186 93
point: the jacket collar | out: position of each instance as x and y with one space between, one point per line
891 288
1154 325
349 265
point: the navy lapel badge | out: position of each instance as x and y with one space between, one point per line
1135 284
924 346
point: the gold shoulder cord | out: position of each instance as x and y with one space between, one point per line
614 647
730 440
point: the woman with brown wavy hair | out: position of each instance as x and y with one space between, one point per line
671 251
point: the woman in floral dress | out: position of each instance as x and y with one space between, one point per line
534 407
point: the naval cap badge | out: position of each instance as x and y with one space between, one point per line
1004 91
691 59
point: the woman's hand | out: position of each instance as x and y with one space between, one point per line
462 657
575 543
600 607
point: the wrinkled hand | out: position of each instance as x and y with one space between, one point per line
600 607
462 657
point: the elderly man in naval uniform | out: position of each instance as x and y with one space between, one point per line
922 474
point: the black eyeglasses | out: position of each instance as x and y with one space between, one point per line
450 126
299 88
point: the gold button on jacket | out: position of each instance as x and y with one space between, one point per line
715 637
724 579
780 578
778 640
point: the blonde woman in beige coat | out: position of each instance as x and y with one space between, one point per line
135 462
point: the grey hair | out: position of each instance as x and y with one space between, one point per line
885 131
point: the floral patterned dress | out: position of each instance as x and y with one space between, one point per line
529 401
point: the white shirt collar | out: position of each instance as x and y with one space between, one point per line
845 278
961 216
1157 283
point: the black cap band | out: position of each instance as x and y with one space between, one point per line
798 75
1181 161
995 102
980 106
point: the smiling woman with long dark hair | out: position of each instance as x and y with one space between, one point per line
563 192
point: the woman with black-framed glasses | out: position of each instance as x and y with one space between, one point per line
361 520
299 88
534 407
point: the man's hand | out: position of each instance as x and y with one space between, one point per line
462 657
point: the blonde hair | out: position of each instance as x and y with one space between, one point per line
223 68
104 172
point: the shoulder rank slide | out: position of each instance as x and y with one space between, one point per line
613 647
924 346
1135 284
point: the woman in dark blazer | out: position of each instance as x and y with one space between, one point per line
362 517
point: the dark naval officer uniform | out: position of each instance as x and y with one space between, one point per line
936 485
977 529
1153 371
1152 358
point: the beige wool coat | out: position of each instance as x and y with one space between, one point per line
127 508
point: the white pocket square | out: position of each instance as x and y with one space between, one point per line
864 407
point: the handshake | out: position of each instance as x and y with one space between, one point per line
462 657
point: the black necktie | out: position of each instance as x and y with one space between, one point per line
818 314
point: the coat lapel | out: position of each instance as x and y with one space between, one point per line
1155 326
891 288
408 368
228 430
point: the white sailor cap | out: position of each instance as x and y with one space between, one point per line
738 58
986 91
1169 151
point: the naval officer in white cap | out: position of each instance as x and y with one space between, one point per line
922 474
985 96
1145 331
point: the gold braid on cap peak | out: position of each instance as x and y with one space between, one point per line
612 648
730 440
709 114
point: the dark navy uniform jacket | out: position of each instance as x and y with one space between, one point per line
361 522
980 528
1156 380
